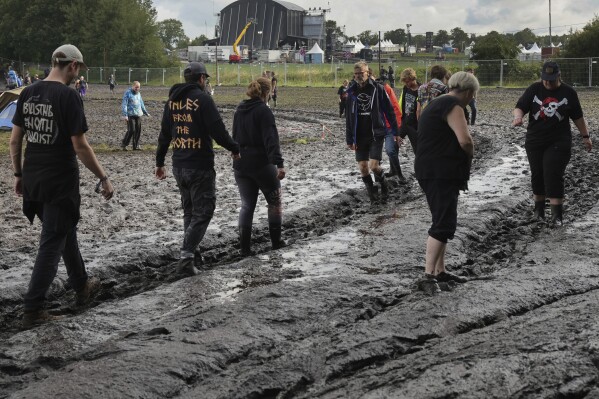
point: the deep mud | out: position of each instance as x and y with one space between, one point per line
337 313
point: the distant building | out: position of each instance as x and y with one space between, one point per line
278 23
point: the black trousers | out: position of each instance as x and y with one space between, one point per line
133 131
442 198
250 182
58 239
548 166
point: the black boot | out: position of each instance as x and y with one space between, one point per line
372 190
557 212
384 186
540 210
275 236
245 239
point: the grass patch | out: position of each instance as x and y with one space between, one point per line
4 142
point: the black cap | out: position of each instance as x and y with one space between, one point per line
195 68
550 71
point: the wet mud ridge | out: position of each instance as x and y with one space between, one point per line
335 314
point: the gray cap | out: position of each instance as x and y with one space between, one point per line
195 68
68 52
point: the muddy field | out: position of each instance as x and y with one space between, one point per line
337 313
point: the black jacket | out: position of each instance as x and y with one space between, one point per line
255 130
381 108
190 121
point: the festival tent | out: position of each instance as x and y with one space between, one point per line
9 96
6 116
315 55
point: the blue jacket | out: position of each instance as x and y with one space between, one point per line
132 104
381 108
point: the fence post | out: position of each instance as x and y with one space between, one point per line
335 76
285 67
591 62
163 72
501 74
147 70
130 75
100 75
239 74
310 74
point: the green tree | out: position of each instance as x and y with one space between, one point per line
441 38
171 33
198 41
584 43
460 38
494 46
419 41
525 36
397 36
368 38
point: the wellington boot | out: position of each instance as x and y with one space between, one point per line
557 213
371 188
245 240
275 236
539 210
37 317
185 267
384 186
88 292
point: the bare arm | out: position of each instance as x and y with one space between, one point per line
87 156
583 128
457 123
418 110
16 146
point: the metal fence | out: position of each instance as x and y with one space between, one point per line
581 72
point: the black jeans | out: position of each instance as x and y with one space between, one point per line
133 131
547 167
265 180
58 239
198 199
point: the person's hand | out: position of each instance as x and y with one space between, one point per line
126 119
517 121
398 140
280 173
107 189
236 157
19 186
160 173
588 144
352 147
148 115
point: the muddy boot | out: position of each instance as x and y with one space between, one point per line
245 239
275 236
372 190
429 285
539 210
186 268
445 277
392 171
384 187
36 317
198 260
88 292
557 214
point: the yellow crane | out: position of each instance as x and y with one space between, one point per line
235 58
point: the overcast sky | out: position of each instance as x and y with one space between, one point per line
473 16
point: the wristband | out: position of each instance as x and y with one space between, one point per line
586 137
19 174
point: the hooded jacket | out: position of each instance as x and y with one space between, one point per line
255 130
382 112
190 121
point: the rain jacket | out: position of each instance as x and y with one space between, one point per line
132 104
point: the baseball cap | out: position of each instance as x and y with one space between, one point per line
550 71
195 68
68 52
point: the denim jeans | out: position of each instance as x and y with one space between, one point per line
265 180
392 150
58 239
198 199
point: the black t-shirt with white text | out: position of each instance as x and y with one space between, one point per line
50 113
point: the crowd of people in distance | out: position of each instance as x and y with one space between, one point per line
431 115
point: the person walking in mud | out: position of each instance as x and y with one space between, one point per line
432 89
550 104
392 142
367 107
261 165
471 116
442 166
190 122
50 116
82 87
133 108
407 104
342 93
273 91
111 84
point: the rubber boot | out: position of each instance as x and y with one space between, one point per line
275 236
372 190
539 210
384 187
245 239
557 212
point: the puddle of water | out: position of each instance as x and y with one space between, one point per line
497 181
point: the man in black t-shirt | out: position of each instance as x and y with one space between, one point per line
50 116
